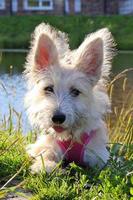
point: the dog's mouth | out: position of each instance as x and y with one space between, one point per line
59 129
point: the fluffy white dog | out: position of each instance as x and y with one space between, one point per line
66 97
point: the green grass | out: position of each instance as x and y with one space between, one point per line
15 31
115 181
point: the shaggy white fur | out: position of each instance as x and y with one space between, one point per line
71 83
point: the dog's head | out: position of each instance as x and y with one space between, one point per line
64 85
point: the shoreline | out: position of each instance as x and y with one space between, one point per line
26 50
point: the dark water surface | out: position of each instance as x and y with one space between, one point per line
12 65
121 61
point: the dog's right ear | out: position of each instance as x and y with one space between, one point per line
48 46
45 53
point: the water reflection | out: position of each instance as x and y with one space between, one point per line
12 59
121 61
12 92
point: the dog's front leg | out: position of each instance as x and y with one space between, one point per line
96 153
47 160
46 153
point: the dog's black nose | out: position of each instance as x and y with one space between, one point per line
58 118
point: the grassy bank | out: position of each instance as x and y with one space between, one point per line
115 181
15 31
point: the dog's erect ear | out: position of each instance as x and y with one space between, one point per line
46 53
95 54
48 46
91 57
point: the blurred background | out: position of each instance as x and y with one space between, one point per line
77 18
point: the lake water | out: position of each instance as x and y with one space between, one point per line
13 87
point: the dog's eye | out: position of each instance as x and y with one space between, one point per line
74 92
49 89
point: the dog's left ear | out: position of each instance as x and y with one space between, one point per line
91 57
94 55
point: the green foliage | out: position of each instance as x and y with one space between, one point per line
15 31
12 148
113 182
12 153
77 183
131 188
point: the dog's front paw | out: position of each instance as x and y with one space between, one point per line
36 168
40 165
30 149
50 166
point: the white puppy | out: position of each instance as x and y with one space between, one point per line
66 97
